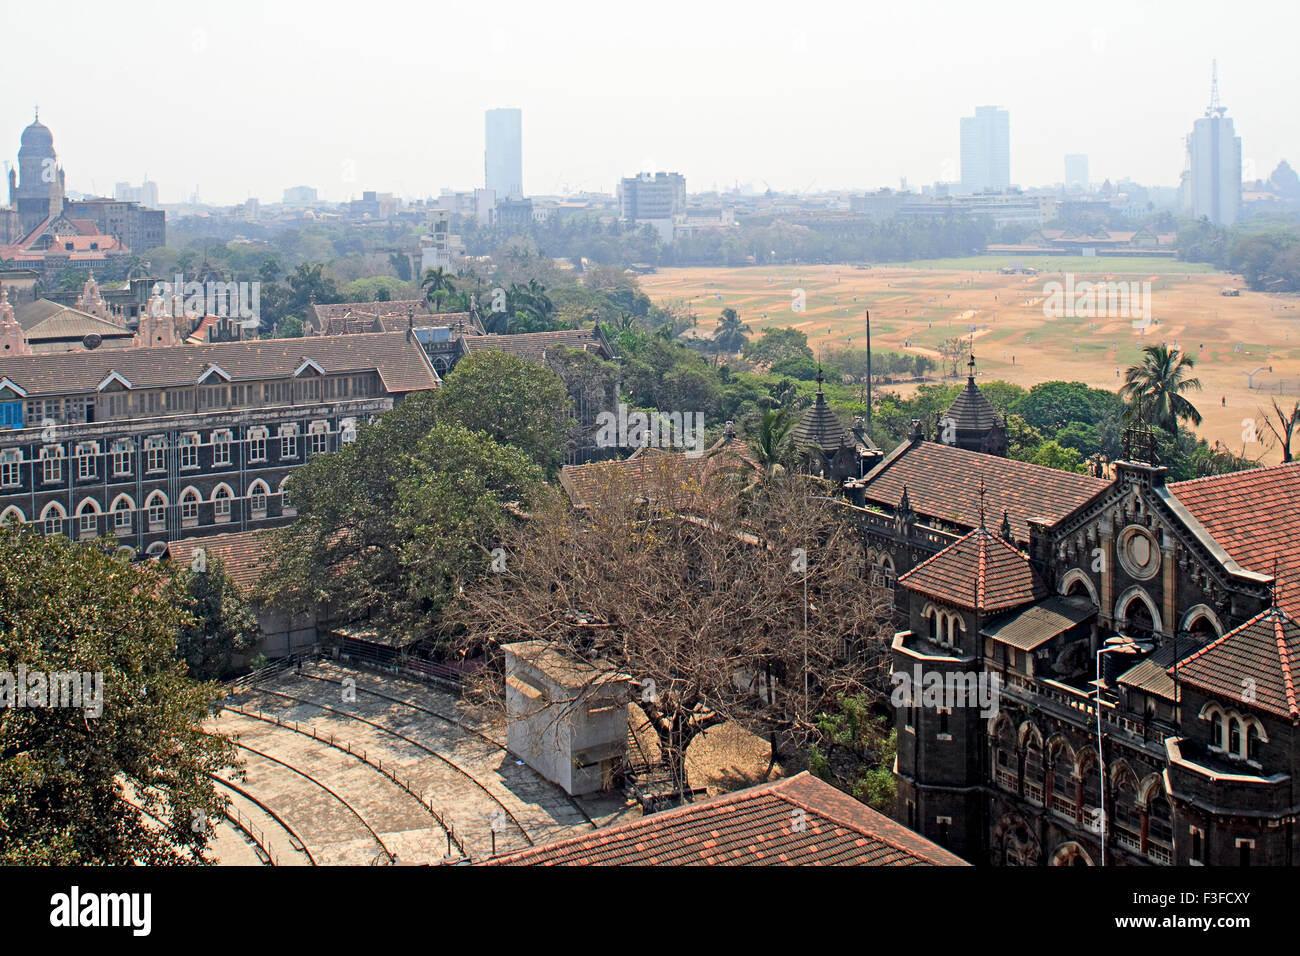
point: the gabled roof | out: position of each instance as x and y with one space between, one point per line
1262 655
981 571
800 821
402 365
1254 515
943 482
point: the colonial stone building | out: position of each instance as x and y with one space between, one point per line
1165 612
157 444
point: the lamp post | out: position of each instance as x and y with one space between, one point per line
1118 643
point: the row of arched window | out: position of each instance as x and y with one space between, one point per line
124 512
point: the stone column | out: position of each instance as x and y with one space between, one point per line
1170 569
1107 575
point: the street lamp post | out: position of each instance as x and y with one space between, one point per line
1121 644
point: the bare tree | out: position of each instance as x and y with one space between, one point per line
1284 427
721 606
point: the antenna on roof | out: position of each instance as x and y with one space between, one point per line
1215 109
981 501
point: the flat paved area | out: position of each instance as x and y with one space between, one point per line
349 767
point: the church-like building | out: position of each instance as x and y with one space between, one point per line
1165 613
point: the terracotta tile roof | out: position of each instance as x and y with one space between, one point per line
402 365
980 571
532 346
653 473
943 482
1038 624
1255 516
243 553
800 821
1265 650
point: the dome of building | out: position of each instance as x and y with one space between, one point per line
38 136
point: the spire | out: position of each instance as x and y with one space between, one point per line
820 378
982 492
970 376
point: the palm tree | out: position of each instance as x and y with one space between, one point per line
730 333
771 444
437 284
1155 388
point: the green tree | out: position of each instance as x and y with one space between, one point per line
65 773
224 623
776 344
1154 389
385 523
731 333
854 749
770 443
513 402
437 284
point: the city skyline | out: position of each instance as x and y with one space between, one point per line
618 109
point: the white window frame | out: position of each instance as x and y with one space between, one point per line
189 444
257 443
52 464
87 460
123 456
221 442
11 468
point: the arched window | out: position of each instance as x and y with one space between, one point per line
286 505
52 518
190 499
87 519
13 514
221 498
1252 742
257 493
123 510
156 506
1234 736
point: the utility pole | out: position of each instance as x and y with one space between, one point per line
868 369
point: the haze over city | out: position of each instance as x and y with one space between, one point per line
246 100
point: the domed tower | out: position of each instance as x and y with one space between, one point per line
971 422
39 177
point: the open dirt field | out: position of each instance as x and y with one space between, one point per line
913 309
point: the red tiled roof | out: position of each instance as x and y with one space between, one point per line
800 821
653 473
1255 516
402 365
242 553
1263 655
943 482
980 571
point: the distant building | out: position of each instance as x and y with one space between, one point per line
986 150
503 153
654 199
146 194
1214 164
1076 171
513 212
300 196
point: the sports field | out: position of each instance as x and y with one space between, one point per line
1018 337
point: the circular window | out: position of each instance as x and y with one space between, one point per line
1139 553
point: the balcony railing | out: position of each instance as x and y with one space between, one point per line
1006 780
1159 853
1034 793
1126 838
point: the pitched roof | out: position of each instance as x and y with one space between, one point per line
980 571
1039 623
798 821
532 346
1264 651
818 426
943 482
243 553
44 319
652 473
402 365
971 410
1255 516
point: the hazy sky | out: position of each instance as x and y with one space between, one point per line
244 98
